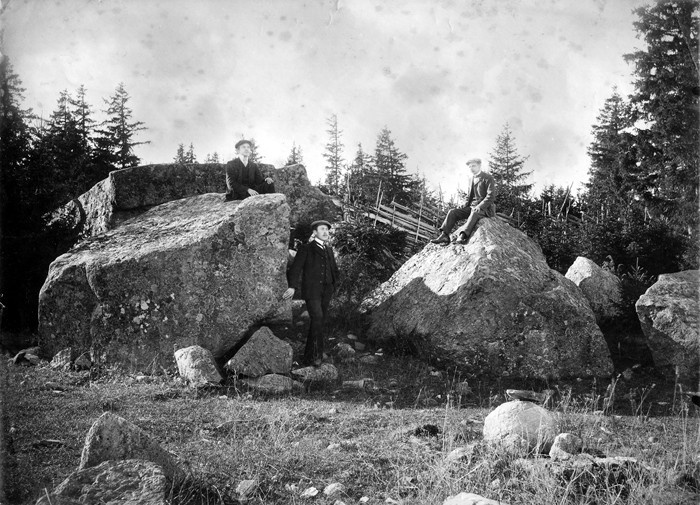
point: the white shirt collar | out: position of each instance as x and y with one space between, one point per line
243 160
320 242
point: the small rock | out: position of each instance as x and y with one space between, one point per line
33 359
528 396
565 445
196 364
334 488
324 373
351 336
271 384
83 362
358 384
262 354
359 346
364 499
533 424
309 492
470 499
345 352
62 359
333 411
370 359
460 453
652 440
246 488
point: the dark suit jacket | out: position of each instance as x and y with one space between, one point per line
482 194
307 270
240 178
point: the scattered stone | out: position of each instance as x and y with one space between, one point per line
246 489
358 384
364 499
263 354
525 420
370 359
332 489
196 364
565 446
83 362
470 499
528 396
272 384
130 481
669 313
33 359
62 359
333 411
351 336
345 352
114 438
600 287
460 453
359 346
502 275
324 373
309 492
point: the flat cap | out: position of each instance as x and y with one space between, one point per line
474 160
318 223
243 141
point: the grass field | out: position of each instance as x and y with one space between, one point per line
370 441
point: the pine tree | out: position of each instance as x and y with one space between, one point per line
334 156
295 156
190 157
180 156
666 100
212 158
506 166
83 117
115 141
391 168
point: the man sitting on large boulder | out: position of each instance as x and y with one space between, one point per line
480 203
243 176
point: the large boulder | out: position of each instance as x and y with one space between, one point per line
193 271
668 313
600 287
492 306
131 191
131 481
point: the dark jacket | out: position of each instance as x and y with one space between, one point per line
308 269
482 194
240 178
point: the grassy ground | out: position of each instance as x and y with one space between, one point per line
370 441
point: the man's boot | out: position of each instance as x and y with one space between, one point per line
442 239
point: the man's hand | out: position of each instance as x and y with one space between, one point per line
288 294
268 180
252 192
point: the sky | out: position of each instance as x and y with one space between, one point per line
443 76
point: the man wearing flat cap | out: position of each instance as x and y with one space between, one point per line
316 273
480 204
243 177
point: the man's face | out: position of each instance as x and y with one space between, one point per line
322 232
474 168
244 150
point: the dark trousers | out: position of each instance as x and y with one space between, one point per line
318 310
263 189
469 213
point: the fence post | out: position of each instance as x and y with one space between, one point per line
420 214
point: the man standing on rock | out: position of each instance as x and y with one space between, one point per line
480 203
243 177
316 273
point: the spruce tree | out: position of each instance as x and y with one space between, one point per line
363 181
190 157
391 168
334 157
506 166
180 156
295 155
116 136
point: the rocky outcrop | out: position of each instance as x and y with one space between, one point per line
521 424
600 287
492 306
129 481
129 192
669 313
193 271
263 354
